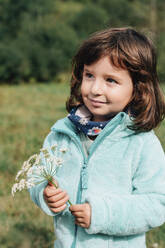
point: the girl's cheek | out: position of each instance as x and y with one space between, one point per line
84 87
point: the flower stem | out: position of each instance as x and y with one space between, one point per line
69 202
51 181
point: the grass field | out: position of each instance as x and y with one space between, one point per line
27 112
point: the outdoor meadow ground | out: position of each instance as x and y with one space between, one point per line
26 114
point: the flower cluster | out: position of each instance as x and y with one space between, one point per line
39 168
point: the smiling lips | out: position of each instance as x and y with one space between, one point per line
94 101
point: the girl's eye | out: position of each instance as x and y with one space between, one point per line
88 75
111 80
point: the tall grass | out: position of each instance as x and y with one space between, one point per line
27 112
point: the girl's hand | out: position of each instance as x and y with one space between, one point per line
55 198
82 212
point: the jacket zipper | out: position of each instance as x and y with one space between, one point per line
85 161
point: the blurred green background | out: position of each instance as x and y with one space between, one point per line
38 38
37 41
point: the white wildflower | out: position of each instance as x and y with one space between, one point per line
29 172
38 160
53 147
30 184
44 150
63 150
19 173
83 121
21 184
26 165
14 189
18 186
59 162
47 155
35 159
37 169
51 160
32 160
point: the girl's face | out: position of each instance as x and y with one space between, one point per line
105 89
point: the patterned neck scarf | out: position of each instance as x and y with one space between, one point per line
81 117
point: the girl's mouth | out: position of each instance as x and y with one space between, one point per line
96 101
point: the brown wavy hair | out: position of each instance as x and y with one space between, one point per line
130 50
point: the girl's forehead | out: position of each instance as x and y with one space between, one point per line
105 63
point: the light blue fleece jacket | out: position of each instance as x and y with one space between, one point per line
123 179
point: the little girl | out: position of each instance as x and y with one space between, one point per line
114 169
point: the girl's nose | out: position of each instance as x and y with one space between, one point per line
97 87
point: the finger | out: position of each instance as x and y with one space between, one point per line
59 203
59 209
80 220
51 190
81 224
76 207
77 214
57 197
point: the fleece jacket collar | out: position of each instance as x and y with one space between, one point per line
117 127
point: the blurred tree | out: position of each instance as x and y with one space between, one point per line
122 13
10 62
51 50
161 56
90 19
12 12
38 38
153 15
40 46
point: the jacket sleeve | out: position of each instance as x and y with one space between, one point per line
140 211
36 192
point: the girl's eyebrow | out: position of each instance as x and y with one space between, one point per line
85 69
